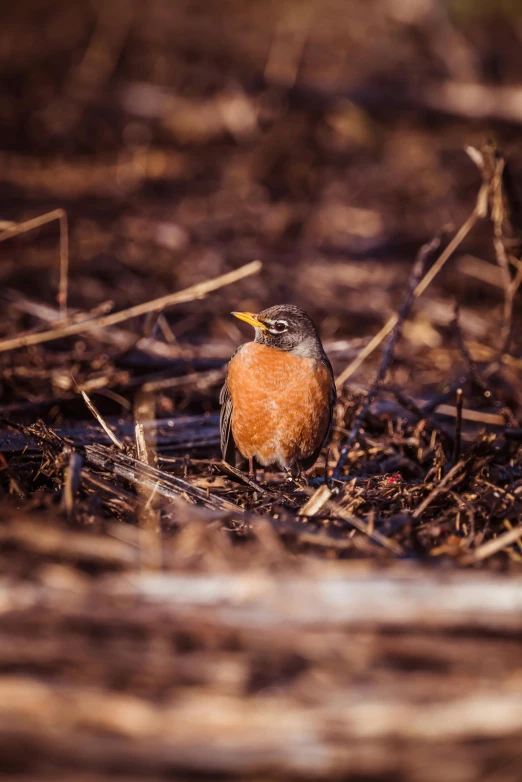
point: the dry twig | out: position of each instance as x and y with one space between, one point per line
478 213
57 214
197 291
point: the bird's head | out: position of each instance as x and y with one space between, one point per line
285 327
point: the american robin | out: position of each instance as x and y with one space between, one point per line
279 393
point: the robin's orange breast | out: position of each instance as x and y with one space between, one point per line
280 404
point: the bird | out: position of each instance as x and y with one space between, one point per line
278 398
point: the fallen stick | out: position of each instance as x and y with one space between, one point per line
326 594
497 544
197 291
338 596
154 480
228 469
490 419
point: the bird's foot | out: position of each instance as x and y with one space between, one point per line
298 477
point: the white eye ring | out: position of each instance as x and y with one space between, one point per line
278 327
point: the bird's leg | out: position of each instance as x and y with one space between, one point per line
301 481
297 475
304 477
251 472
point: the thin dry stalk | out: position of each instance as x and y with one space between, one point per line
149 521
197 291
141 445
316 501
506 216
57 214
478 213
497 544
498 217
121 338
240 476
71 482
458 426
363 527
490 419
63 288
478 377
106 428
444 483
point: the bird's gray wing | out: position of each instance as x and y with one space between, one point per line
311 460
228 446
333 396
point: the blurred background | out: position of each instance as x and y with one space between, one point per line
326 139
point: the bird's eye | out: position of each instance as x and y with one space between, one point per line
280 326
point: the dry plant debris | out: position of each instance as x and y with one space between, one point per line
396 484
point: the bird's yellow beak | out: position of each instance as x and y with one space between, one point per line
250 318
